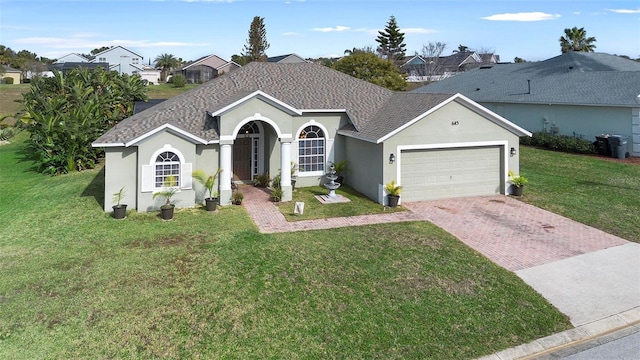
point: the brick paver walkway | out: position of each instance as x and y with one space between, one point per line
511 233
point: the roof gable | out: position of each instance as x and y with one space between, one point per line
114 49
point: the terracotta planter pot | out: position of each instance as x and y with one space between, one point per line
119 212
211 203
166 212
393 200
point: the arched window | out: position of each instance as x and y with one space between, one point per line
311 149
167 164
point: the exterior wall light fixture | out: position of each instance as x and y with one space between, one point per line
392 158
513 151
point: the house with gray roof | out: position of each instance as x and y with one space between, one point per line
286 59
263 117
205 68
581 94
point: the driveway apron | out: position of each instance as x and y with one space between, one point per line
586 273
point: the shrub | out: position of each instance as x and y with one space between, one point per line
7 133
262 180
178 81
564 143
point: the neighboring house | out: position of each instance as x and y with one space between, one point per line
206 68
148 72
73 57
580 94
264 116
120 59
69 65
286 59
10 73
419 68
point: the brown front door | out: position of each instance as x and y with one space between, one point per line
242 159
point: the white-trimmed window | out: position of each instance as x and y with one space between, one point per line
311 150
167 164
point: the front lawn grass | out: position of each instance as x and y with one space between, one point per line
76 283
589 189
314 209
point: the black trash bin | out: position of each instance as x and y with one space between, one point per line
602 145
618 146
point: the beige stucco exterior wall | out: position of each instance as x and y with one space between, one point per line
16 76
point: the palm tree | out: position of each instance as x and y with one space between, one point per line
576 40
461 48
166 62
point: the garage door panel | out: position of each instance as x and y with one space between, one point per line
442 173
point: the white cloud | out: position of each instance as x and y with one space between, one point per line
418 31
625 11
81 43
523 16
331 29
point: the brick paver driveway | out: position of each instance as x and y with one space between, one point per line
511 233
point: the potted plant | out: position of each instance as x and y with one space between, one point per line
237 198
166 210
393 193
341 167
518 182
261 180
119 210
208 181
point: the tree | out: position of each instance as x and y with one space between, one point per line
65 113
241 60
166 62
369 67
576 40
391 42
519 60
257 44
431 55
368 48
461 48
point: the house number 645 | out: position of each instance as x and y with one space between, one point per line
455 123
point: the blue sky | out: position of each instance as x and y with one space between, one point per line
189 29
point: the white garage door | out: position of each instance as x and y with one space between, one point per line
444 173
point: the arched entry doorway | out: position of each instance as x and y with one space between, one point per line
247 162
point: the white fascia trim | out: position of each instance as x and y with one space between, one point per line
503 143
470 103
323 110
258 93
170 128
99 145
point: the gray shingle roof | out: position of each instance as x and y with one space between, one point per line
576 78
373 110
